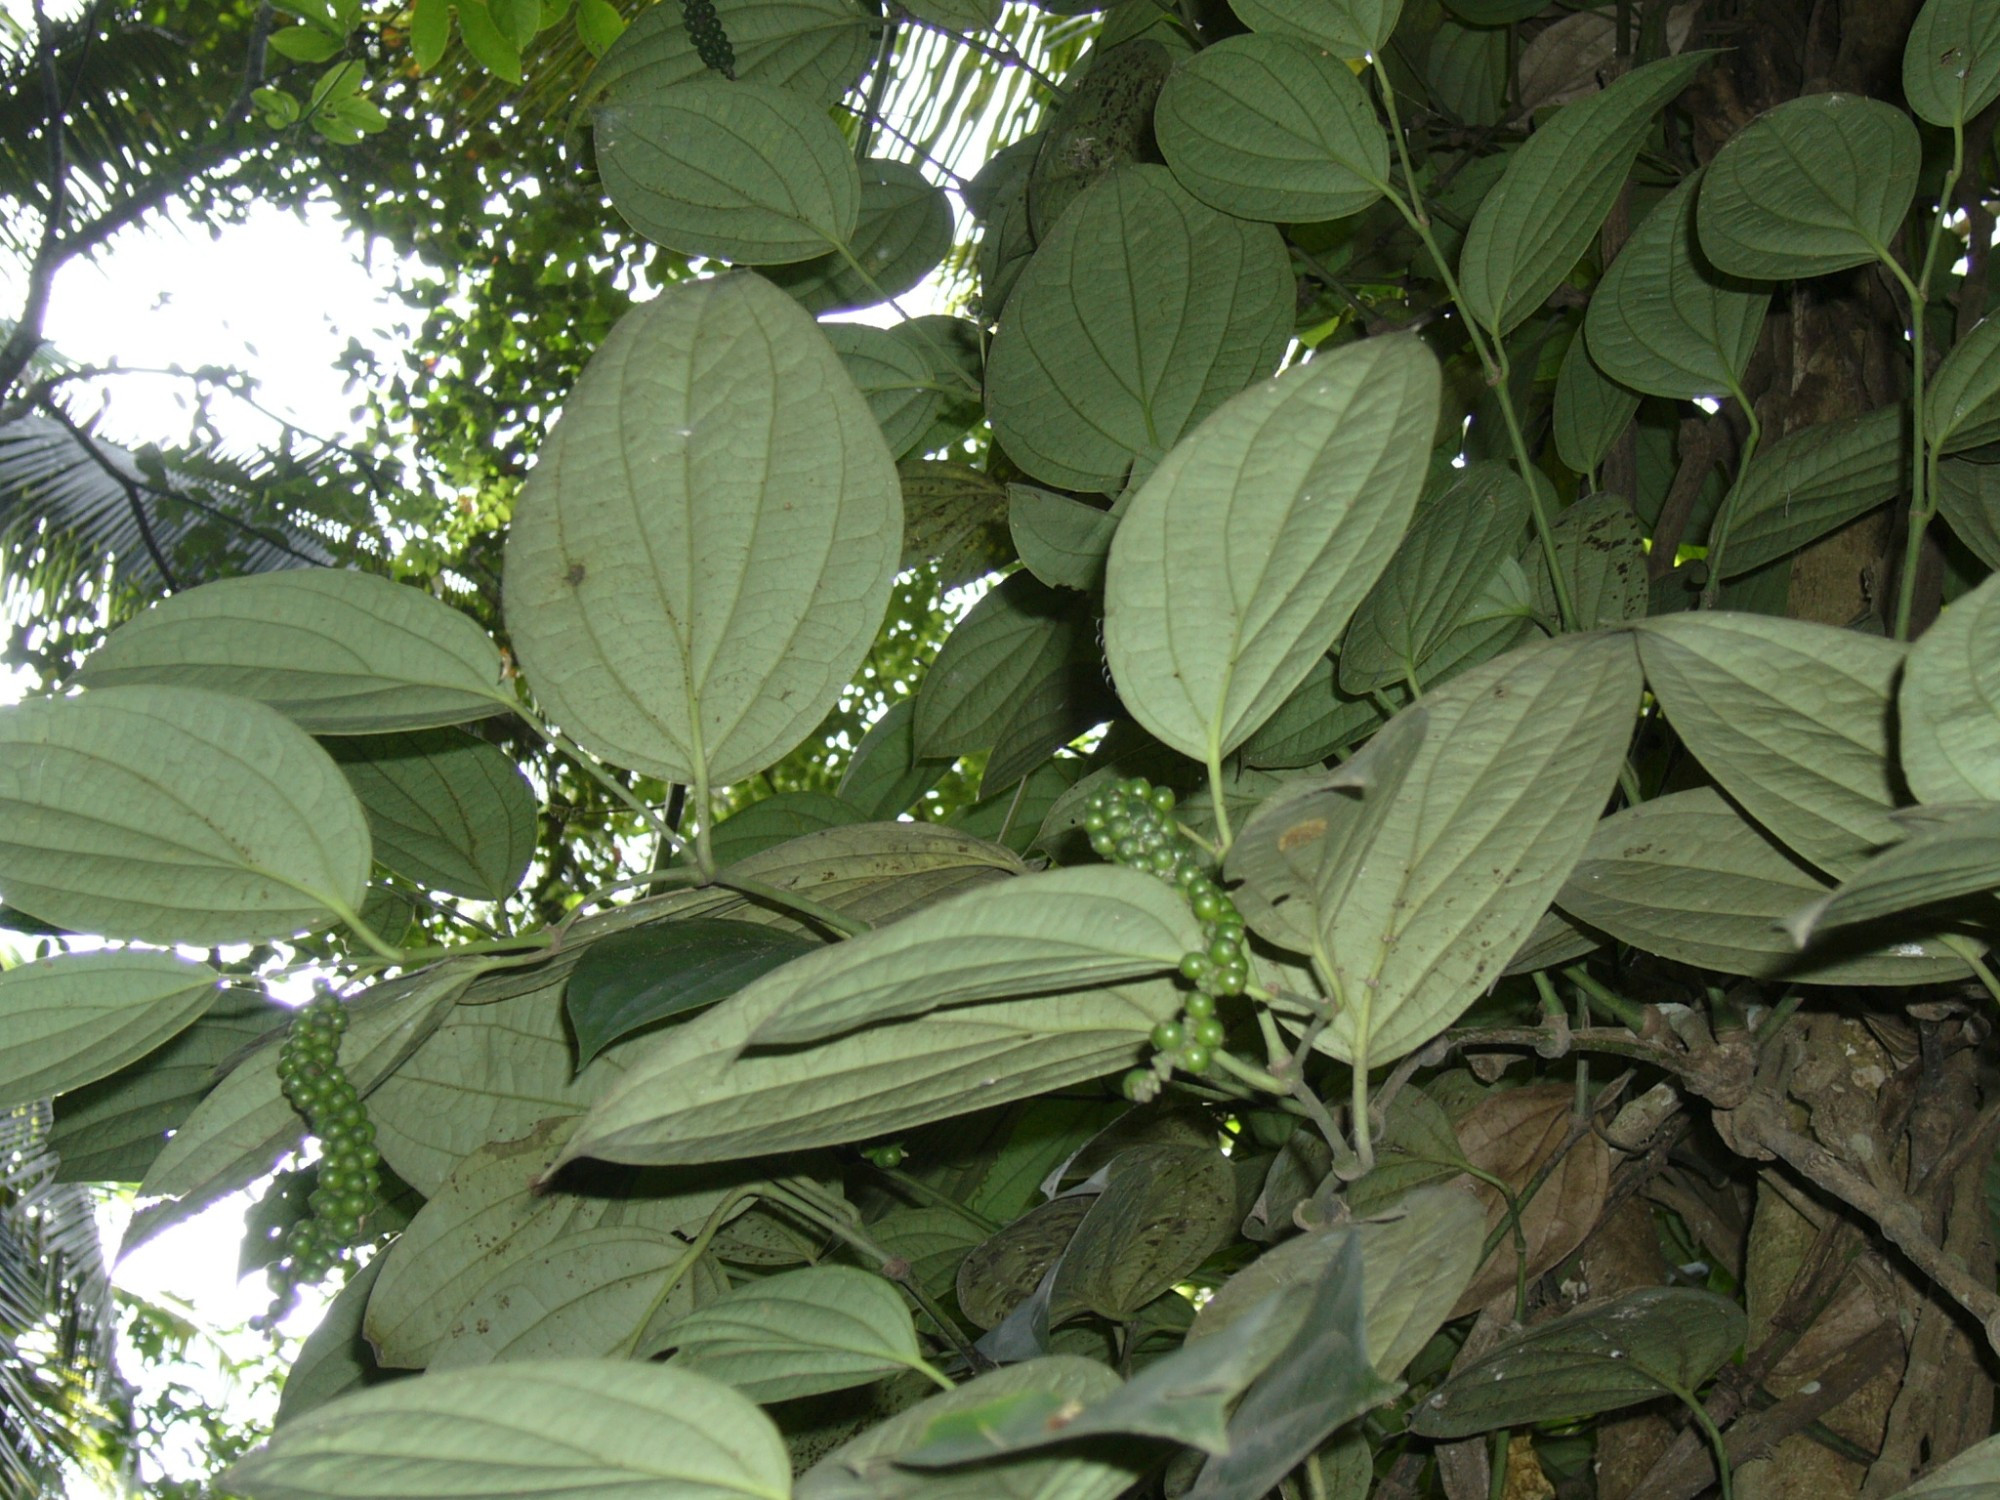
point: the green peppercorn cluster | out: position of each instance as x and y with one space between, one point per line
1131 823
711 42
349 1185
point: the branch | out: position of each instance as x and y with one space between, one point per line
125 482
1758 1126
26 337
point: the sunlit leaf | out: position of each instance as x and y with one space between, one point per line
173 814
1949 704
902 229
73 1018
337 652
714 422
546 1428
1312 476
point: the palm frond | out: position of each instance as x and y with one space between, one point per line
58 1385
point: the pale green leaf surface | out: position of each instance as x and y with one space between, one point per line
902 229
1557 190
1141 313
245 1123
444 809
1415 1260
756 454
1459 539
694 1093
114 1129
1058 929
1813 481
1272 127
741 171
817 48
1815 185
1949 704
1951 62
1663 320
1308 482
73 1018
587 1292
172 814
822 1328
335 651
1962 405
894 378
1347 28
865 1468
1591 409
548 1430
1688 877
1518 757
1954 858
1062 540
1791 718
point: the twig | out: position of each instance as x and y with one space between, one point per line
127 483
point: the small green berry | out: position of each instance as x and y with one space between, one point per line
1194 1057
1199 1007
1210 1033
1168 1036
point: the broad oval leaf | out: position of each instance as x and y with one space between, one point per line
1056 930
1062 540
1164 1210
742 171
115 1129
867 1468
886 776
1312 476
1791 718
695 1094
1005 1269
1968 497
1654 1341
1270 127
1141 313
1591 409
514 1432
1498 804
1816 185
1962 408
336 652
1458 541
1548 207
1601 549
1019 676
587 1292
628 980
172 814
771 821
1951 65
893 377
1688 877
444 809
954 517
1949 703
902 229
1663 320
823 1328
715 422
817 48
1958 855
1813 481
1346 28
73 1018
